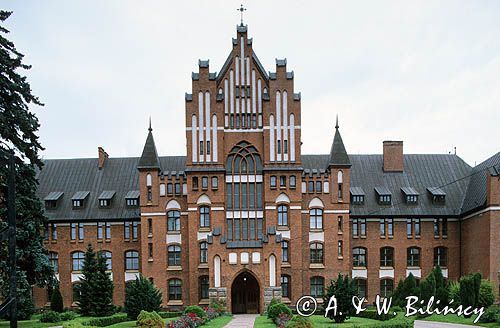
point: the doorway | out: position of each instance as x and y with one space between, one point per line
245 294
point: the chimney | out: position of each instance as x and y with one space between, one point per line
102 157
393 156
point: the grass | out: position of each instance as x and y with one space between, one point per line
322 322
263 322
451 318
218 322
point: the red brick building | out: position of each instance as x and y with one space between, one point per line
245 216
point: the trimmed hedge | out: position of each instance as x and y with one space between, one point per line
196 310
68 315
372 314
50 316
106 321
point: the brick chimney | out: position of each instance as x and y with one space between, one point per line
102 157
393 156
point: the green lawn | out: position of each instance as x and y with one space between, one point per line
322 322
219 322
263 322
451 318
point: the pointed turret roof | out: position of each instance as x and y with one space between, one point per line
338 154
149 158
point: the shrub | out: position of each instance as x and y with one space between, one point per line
344 290
396 308
454 292
467 291
50 316
492 314
56 301
140 295
299 322
218 305
196 310
189 320
76 324
106 321
486 295
283 319
405 288
372 314
149 320
273 302
68 315
172 314
211 313
277 309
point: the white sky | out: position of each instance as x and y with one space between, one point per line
426 72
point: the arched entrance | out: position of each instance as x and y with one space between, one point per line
245 293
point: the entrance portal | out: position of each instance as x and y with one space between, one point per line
245 293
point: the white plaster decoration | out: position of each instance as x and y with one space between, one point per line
233 258
231 91
203 200
217 271
278 125
194 139
339 177
359 273
149 180
272 271
244 258
184 189
417 273
316 203
285 234
242 58
316 236
304 187
285 125
162 189
445 272
254 92
292 137
237 70
270 207
214 142
386 273
343 212
226 97
248 70
76 277
175 238
255 257
326 187
57 276
295 207
259 97
201 125
131 275
173 205
282 198
207 125
202 235
271 138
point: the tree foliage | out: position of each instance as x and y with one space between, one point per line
141 294
18 135
405 288
344 289
56 300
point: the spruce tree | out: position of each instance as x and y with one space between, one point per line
18 134
141 294
102 289
343 288
442 289
56 301
85 287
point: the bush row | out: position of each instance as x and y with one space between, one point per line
106 321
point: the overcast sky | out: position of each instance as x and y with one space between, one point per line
426 72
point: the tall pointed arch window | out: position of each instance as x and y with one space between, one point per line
244 193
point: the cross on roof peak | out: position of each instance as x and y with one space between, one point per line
241 10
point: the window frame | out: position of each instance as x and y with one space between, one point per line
174 258
359 257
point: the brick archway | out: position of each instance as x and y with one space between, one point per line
245 294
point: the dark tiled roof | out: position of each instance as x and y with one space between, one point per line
421 172
476 192
149 158
338 154
409 191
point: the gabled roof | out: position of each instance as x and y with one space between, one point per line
54 195
338 154
409 191
149 158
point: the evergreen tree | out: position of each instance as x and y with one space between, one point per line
442 289
85 287
141 294
405 288
18 133
427 288
102 289
343 288
56 301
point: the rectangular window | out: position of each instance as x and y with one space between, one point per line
409 228
81 232
100 230
340 191
411 199
358 199
177 188
382 227
108 230
195 183
318 186
150 226
208 147
436 227
285 146
170 188
355 230
215 183
54 231
293 181
362 229
204 183
135 232
310 186
201 147
126 230
282 181
339 223
390 227
279 146
131 202
77 203
273 181
444 227
340 252
416 223
150 250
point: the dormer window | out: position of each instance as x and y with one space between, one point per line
132 198
105 198
357 196
411 195
384 195
438 195
51 199
79 199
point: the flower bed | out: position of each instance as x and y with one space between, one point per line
193 318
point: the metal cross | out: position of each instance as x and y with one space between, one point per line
241 10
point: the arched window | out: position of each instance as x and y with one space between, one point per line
286 286
244 192
282 215
204 286
174 255
360 285
203 252
387 257
77 261
440 256
413 256
359 257
149 180
204 217
316 253
317 287
285 251
174 290
108 256
339 180
173 221
386 287
131 260
316 219
54 261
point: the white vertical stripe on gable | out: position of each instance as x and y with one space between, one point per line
278 124
242 58
285 124
200 119
214 141
259 95
254 101
207 124
292 138
271 138
194 140
231 90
